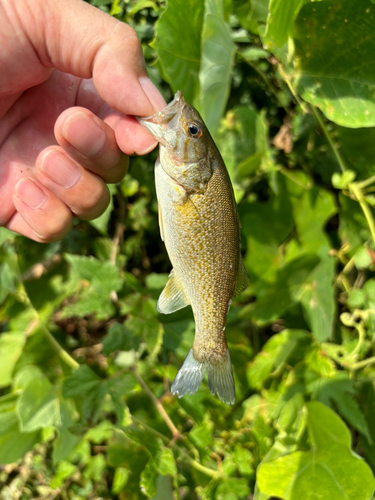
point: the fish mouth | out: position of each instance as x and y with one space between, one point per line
158 124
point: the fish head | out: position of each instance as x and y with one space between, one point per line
184 143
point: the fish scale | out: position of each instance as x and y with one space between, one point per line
200 228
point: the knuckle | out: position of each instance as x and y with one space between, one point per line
94 204
56 229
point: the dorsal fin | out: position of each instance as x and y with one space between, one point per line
242 279
172 298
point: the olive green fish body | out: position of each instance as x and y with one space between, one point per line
200 227
202 238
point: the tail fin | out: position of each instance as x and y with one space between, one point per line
220 378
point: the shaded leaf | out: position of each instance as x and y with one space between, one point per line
178 45
217 55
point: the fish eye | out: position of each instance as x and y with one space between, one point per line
195 130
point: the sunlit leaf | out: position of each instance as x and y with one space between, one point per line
332 74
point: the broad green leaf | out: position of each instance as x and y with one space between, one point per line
232 488
280 22
236 139
333 429
38 406
178 45
252 14
358 149
98 280
318 297
163 463
201 434
276 297
83 381
342 392
332 60
13 443
86 385
216 64
321 472
164 488
274 353
11 345
64 444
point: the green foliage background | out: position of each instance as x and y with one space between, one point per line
287 89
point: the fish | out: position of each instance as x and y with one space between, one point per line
200 227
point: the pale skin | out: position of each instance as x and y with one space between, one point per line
71 77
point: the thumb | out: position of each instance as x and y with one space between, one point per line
77 38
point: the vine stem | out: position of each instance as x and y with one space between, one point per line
317 116
60 351
175 433
196 465
58 348
335 150
360 364
356 190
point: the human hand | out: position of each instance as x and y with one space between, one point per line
71 77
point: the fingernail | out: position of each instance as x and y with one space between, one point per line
153 94
84 134
147 150
60 169
27 191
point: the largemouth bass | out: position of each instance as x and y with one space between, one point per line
200 227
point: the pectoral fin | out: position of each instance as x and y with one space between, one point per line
172 298
242 280
160 223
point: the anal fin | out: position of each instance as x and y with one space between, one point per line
172 298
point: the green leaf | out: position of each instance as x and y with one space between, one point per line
276 351
201 434
120 479
287 289
64 470
11 345
13 443
232 488
332 60
37 406
318 297
163 463
83 381
341 181
322 471
164 488
342 393
178 45
98 280
280 22
217 55
101 223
